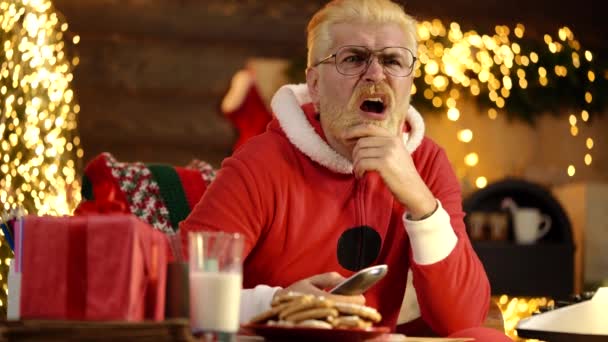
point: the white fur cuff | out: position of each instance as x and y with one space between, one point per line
433 238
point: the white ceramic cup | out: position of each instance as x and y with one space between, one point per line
529 225
215 282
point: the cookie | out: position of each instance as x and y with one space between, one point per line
362 311
320 313
305 303
280 324
314 323
268 314
349 322
288 297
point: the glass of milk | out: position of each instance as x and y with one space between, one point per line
215 284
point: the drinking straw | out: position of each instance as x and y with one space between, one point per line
176 247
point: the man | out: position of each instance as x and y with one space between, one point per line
344 178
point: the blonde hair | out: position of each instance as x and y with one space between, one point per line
367 11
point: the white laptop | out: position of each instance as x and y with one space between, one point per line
586 321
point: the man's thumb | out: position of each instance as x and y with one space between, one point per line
326 280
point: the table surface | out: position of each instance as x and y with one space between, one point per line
118 331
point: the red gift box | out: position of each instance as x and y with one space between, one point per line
92 267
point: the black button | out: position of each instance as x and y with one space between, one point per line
358 248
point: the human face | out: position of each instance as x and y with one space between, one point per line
343 101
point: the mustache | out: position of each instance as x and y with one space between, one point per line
369 90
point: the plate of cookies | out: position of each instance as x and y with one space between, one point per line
304 317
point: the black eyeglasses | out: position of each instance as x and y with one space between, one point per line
352 60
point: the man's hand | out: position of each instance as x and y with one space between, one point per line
316 284
379 150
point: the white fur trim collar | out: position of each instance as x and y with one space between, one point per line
286 105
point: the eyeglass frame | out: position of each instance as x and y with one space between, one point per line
374 53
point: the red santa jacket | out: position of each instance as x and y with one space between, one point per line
303 212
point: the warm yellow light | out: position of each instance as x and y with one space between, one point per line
523 84
574 130
492 113
440 82
591 76
431 68
516 48
572 119
519 30
552 47
576 61
585 115
455 94
437 102
451 102
589 143
571 170
500 102
588 159
471 159
534 57
76 39
465 135
36 99
588 97
588 56
453 114
481 182
475 90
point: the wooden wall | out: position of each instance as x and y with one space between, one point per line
152 73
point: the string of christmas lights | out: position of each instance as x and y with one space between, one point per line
506 74
40 149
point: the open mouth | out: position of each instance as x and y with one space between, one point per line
373 105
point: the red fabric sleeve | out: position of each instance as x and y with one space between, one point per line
454 293
193 184
232 203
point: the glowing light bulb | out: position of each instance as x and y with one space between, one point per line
471 159
574 131
465 135
481 182
453 114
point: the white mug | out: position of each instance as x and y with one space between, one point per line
529 225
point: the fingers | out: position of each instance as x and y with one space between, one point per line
358 299
364 165
369 156
326 280
308 287
316 284
368 142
